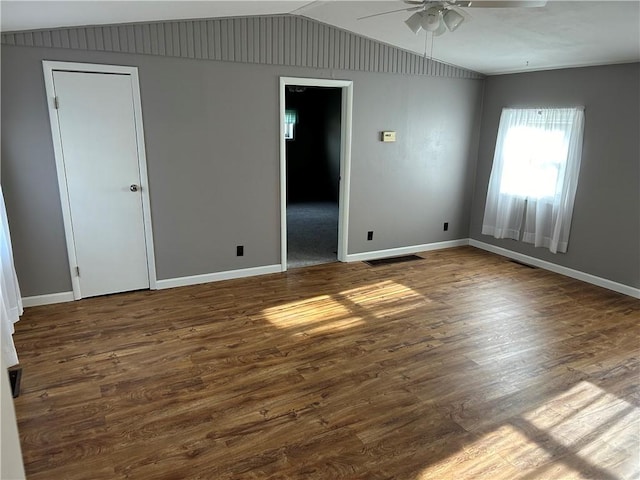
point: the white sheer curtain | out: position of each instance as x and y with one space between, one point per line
10 299
534 176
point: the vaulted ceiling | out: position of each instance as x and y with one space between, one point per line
490 40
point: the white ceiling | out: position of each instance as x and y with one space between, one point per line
492 41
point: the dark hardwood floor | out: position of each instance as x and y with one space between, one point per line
463 365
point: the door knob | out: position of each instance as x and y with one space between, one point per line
134 188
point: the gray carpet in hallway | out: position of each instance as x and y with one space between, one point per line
312 233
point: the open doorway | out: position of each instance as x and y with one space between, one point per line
315 154
312 133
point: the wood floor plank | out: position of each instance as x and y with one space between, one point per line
461 366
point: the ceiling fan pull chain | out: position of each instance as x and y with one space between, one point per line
431 49
426 37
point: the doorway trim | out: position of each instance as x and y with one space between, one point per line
346 120
49 67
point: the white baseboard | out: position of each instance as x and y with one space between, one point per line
395 252
49 299
357 257
218 276
569 272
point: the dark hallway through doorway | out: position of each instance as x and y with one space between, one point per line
313 174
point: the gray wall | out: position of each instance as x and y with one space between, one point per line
211 131
605 231
405 191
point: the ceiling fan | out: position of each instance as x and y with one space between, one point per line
439 16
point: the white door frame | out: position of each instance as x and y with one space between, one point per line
345 161
49 67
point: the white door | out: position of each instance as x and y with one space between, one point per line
97 129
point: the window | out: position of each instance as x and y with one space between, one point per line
290 119
534 176
533 158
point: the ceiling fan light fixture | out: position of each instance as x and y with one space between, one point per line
431 19
414 22
452 19
440 30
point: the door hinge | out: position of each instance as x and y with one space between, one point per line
78 271
56 103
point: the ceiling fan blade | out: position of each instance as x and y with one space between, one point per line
390 11
505 4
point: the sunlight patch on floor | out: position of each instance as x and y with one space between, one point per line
472 461
346 309
337 325
308 312
385 298
568 437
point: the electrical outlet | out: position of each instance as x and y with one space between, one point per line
446 226
240 250
370 235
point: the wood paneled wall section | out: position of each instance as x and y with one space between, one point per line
272 40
